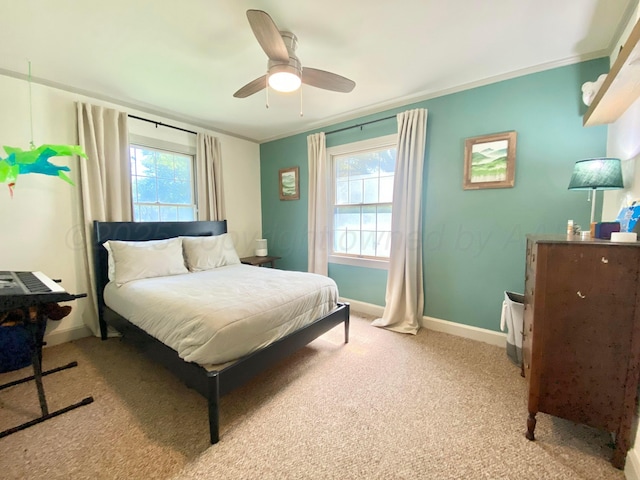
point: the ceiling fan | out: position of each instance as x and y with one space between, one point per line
285 72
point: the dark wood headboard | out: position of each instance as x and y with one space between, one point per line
137 232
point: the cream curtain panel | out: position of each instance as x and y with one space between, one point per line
404 296
318 214
209 178
105 181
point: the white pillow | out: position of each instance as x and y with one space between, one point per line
111 264
205 253
153 258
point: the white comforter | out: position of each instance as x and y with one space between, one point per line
220 315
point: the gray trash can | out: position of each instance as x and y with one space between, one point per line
512 319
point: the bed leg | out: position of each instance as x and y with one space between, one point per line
213 400
346 323
346 330
103 329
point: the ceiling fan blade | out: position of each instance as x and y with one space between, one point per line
327 80
268 35
252 87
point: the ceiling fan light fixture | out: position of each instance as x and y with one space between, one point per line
284 78
284 70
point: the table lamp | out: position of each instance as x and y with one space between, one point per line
596 174
261 247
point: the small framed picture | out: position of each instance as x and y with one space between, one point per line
490 161
289 183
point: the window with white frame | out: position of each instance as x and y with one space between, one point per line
362 197
162 184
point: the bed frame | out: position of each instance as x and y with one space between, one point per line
211 384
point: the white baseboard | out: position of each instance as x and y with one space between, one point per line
57 336
498 339
362 307
474 333
632 465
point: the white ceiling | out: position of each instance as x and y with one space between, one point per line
184 59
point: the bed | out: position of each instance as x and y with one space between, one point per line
212 371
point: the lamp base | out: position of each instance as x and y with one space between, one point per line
261 247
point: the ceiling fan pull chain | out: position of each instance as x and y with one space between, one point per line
266 79
301 101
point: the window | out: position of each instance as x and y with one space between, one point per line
362 199
162 184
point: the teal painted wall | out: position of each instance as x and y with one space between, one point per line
473 241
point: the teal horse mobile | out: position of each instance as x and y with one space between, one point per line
36 160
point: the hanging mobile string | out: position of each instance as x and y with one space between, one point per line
31 110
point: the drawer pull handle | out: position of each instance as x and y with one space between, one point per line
604 260
581 295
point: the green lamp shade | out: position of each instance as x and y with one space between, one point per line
596 173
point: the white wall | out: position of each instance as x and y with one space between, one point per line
41 225
623 142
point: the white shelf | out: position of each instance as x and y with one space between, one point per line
621 87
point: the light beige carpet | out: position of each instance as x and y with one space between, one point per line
385 406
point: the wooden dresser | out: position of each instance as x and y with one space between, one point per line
581 345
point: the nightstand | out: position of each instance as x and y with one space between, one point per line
260 261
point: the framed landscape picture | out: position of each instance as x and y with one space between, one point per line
490 161
289 183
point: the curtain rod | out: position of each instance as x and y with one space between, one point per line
359 125
160 124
